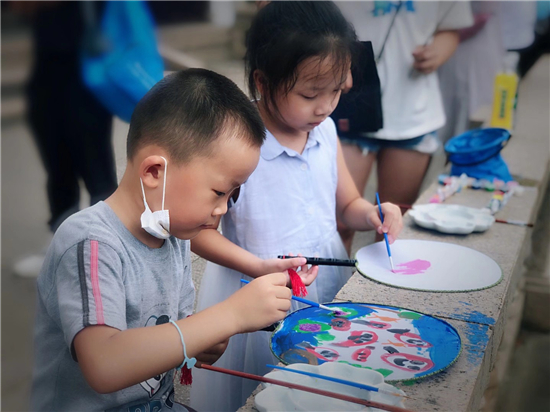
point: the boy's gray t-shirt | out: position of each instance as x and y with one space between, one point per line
97 273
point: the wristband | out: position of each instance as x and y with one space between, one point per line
189 361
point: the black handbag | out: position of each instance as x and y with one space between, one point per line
360 110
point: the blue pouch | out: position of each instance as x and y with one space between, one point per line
120 59
477 153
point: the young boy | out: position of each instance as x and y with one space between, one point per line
115 289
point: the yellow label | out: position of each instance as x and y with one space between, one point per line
504 100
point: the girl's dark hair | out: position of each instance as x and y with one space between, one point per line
185 113
285 33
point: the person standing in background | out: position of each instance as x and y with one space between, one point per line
71 129
467 78
411 40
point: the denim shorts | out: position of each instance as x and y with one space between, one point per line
427 143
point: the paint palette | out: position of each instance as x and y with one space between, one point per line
278 398
400 344
455 219
429 266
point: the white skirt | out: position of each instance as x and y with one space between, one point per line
250 352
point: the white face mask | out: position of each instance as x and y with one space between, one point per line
157 223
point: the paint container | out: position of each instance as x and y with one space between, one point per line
477 154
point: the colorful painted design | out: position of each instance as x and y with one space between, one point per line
404 344
414 267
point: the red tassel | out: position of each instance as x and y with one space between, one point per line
298 287
186 377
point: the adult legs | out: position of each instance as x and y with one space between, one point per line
359 167
45 95
88 131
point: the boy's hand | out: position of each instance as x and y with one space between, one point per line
260 303
393 220
212 354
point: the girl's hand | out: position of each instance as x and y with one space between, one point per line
393 220
308 274
266 266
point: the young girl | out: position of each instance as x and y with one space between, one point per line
298 58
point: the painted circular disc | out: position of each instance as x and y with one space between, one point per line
399 343
428 266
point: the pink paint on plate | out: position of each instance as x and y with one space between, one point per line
414 267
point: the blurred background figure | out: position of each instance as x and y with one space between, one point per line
518 19
71 129
467 78
411 39
500 41
541 43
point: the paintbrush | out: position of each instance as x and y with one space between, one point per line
337 380
308 302
514 222
324 261
385 234
330 394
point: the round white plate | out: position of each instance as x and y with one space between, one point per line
451 218
280 398
429 266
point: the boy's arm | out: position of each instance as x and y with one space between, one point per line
111 359
359 214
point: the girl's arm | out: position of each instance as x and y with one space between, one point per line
359 214
213 246
112 360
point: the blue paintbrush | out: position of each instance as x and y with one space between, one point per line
385 234
307 302
337 380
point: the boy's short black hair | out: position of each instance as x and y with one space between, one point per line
187 110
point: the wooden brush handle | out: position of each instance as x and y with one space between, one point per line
335 395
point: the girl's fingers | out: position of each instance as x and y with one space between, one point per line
292 263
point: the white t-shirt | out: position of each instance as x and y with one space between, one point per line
411 101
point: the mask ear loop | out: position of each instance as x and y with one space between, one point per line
143 192
164 186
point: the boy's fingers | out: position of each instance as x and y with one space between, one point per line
208 358
283 293
283 307
279 279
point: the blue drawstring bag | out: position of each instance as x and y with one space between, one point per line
477 153
120 60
